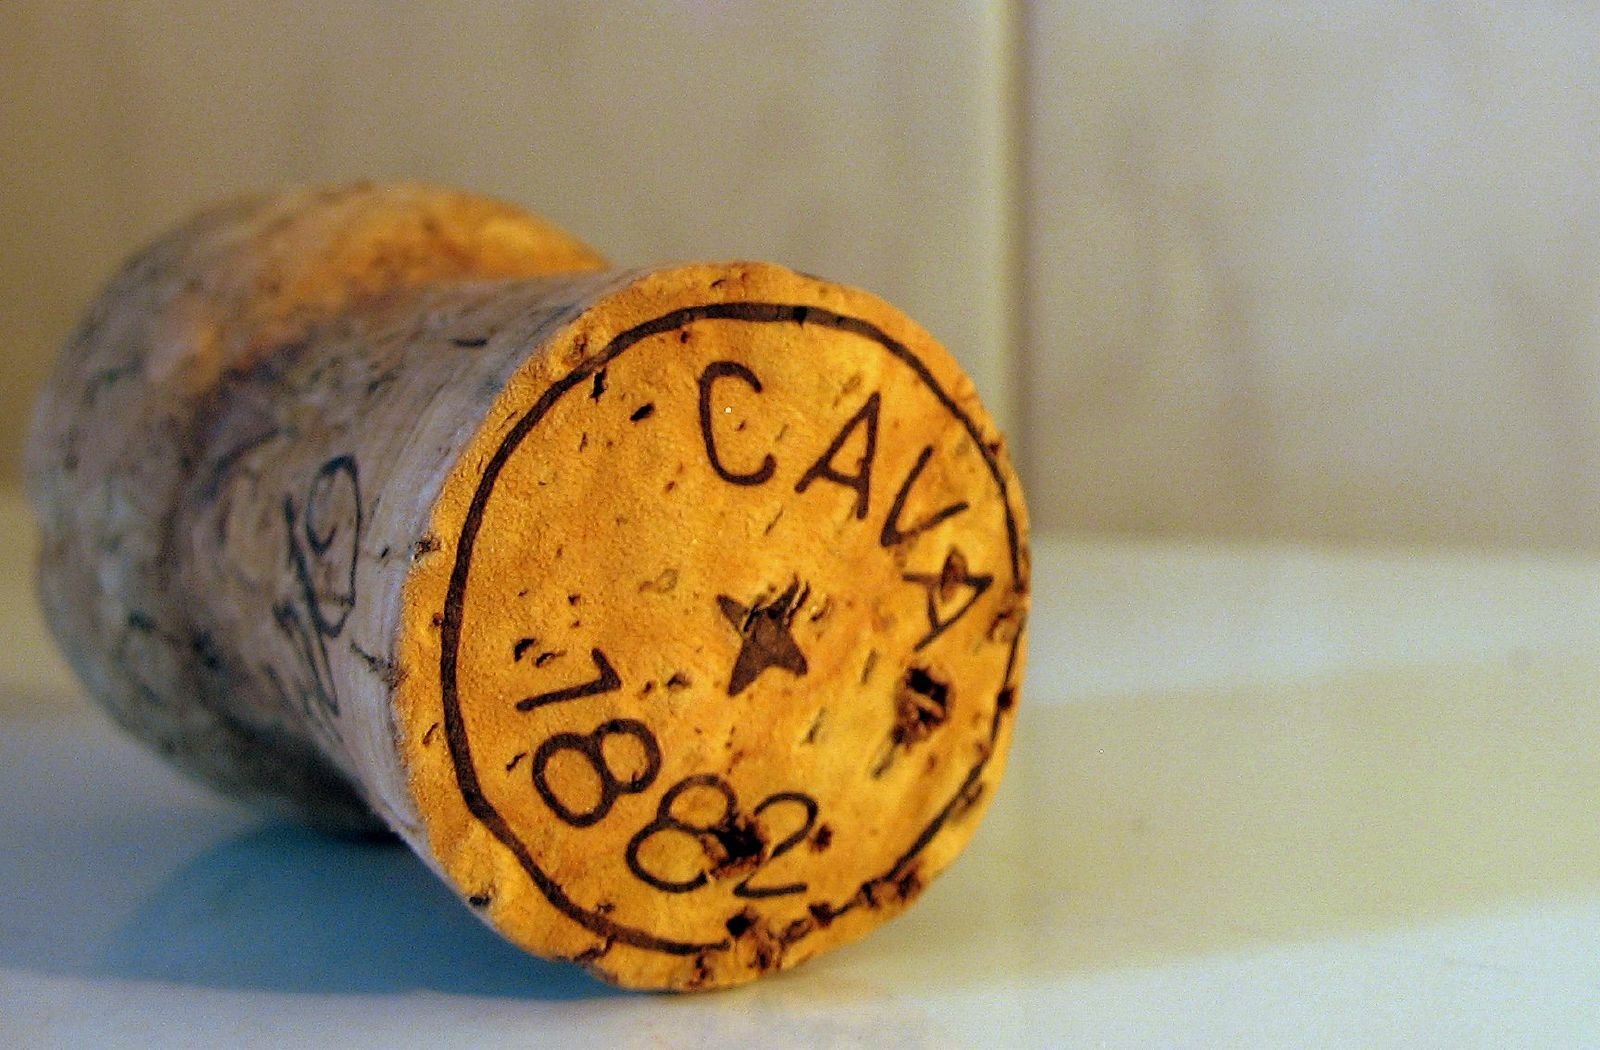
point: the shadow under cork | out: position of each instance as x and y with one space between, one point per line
286 909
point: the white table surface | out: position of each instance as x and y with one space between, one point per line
1260 796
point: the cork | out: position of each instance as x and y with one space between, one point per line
675 617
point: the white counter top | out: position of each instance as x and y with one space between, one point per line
1259 796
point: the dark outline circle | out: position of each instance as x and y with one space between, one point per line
455 596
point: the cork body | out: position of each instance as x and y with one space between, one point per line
140 396
674 617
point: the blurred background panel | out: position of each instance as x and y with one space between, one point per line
864 142
1320 272
1328 271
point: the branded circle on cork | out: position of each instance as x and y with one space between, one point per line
674 617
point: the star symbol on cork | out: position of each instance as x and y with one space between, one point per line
766 628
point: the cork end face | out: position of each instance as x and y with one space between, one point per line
715 643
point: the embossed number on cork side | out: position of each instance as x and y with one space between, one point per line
322 530
788 677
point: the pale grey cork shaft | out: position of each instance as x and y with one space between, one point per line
186 422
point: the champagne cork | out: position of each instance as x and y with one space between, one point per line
673 616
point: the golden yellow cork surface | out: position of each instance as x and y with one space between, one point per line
711 653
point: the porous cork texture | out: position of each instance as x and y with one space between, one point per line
675 617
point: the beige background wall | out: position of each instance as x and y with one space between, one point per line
854 140
1330 273
1317 269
